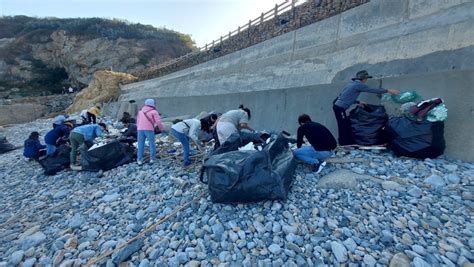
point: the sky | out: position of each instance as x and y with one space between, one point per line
204 20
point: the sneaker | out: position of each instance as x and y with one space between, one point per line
76 167
152 161
140 163
318 167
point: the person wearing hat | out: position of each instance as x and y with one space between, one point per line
147 119
93 113
33 149
58 120
348 97
53 137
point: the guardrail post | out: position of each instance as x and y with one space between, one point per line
293 3
229 34
261 18
238 30
276 11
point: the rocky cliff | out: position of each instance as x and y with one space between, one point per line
104 87
41 56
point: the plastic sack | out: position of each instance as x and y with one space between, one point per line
414 138
57 162
237 140
401 98
367 123
106 157
5 146
250 176
438 113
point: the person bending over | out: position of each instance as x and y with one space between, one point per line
185 130
349 96
322 143
232 122
81 134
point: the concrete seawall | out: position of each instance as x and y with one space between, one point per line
407 44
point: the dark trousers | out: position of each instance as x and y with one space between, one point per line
343 126
91 118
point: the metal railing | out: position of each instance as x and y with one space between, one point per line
287 16
273 13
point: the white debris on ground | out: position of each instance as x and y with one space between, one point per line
378 210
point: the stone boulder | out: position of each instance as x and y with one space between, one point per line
21 112
103 88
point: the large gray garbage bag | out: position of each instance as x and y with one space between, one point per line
416 139
250 176
367 123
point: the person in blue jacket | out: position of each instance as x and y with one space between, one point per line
59 131
81 134
33 149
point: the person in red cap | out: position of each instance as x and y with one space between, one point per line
348 97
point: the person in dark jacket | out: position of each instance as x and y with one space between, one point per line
58 132
33 149
129 136
347 97
321 140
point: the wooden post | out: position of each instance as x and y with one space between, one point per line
293 2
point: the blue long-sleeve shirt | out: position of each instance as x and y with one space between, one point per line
351 92
59 131
32 148
89 131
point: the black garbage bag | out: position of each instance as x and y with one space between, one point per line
415 139
5 146
367 123
57 162
106 157
237 140
250 176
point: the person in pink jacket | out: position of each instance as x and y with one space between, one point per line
147 119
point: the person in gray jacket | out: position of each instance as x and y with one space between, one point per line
349 96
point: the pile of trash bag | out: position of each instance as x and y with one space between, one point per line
419 131
415 139
251 175
58 161
367 122
106 157
5 146
237 140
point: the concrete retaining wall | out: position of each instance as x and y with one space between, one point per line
407 44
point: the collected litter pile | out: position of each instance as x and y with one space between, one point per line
5 146
375 208
242 176
417 132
